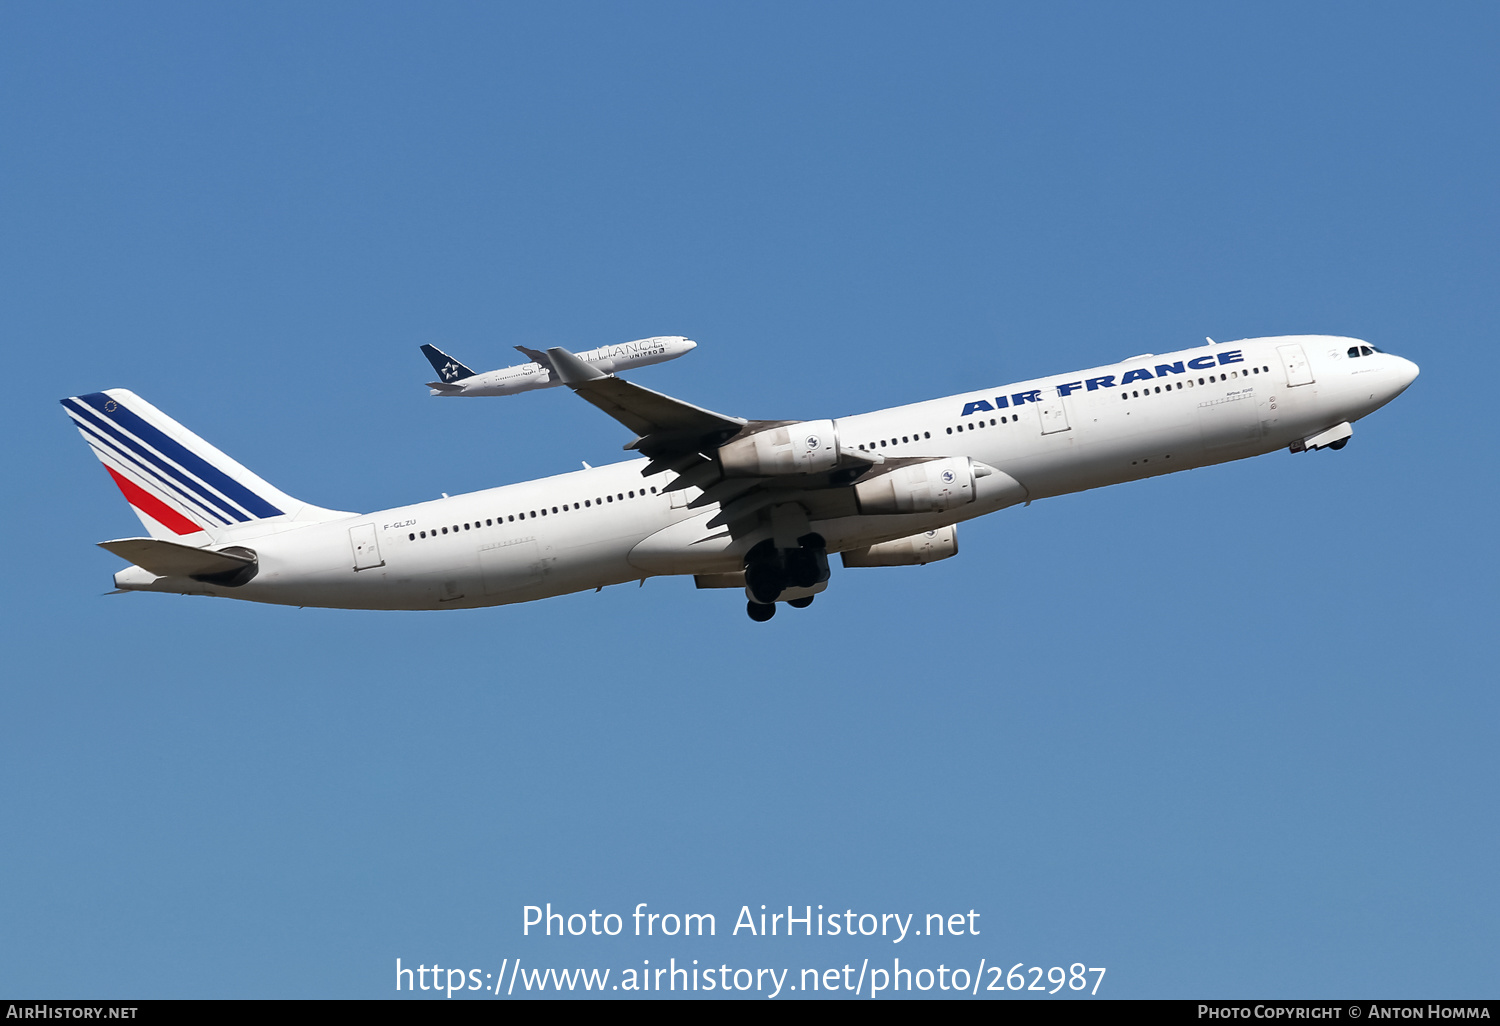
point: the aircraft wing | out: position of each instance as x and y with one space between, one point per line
536 356
685 439
664 427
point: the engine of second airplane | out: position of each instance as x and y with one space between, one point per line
930 487
809 447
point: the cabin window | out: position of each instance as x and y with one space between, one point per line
621 496
411 537
632 495
609 498
653 492
445 530
554 509
586 502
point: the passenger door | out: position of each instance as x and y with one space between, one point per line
366 550
1294 361
1054 415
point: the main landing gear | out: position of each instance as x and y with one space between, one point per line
760 613
771 572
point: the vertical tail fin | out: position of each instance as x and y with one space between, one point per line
178 484
448 369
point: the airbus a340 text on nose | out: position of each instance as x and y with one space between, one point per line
454 379
751 504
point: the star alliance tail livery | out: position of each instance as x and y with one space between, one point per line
752 504
454 379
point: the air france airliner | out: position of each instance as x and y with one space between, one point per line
734 503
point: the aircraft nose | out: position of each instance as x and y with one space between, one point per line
1406 372
688 343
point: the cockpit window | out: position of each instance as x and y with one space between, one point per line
1365 350
1353 351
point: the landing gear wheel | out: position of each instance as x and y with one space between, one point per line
800 603
760 613
1339 444
801 568
765 582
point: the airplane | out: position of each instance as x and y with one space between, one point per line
458 380
734 503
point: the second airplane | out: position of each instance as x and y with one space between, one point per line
454 379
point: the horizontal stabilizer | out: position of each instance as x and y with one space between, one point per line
172 559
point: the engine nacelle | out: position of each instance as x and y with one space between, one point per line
930 487
913 550
806 448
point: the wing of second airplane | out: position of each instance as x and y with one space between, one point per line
536 356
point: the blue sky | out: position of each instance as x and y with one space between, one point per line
1228 733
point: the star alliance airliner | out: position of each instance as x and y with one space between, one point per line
735 503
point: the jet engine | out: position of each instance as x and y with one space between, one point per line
930 487
913 550
809 447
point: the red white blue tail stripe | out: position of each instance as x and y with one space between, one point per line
175 481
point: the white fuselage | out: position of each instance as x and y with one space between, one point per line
528 376
609 525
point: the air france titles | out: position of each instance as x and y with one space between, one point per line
1161 370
